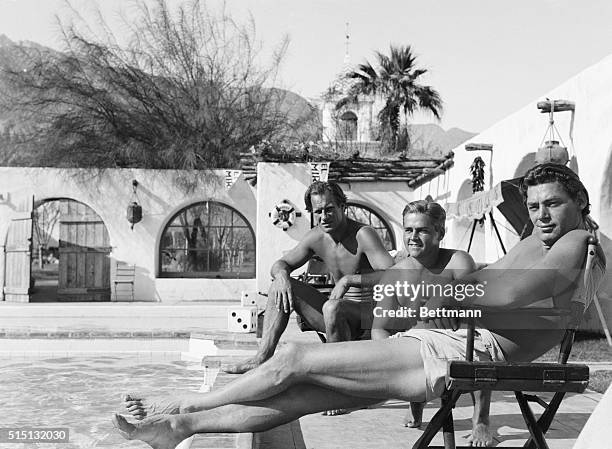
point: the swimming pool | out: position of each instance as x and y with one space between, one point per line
81 393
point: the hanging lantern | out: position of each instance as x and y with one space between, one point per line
552 152
134 210
134 213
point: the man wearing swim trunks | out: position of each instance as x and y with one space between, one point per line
304 379
349 249
424 228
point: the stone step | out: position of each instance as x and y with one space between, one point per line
188 316
226 340
133 309
219 344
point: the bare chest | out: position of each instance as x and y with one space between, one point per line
343 258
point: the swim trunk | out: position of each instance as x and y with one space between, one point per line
360 295
353 293
438 346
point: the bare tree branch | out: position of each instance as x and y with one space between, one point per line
187 90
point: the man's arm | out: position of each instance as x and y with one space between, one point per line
383 324
520 286
280 289
462 264
372 246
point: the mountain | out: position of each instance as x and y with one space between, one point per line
432 140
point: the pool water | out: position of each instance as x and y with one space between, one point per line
81 393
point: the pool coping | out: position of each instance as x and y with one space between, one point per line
88 334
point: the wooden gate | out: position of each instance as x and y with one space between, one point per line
18 253
84 248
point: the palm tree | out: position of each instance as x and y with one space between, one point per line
396 81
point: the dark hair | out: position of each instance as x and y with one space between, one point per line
319 188
549 172
430 208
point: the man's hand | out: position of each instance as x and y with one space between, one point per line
282 293
339 289
436 305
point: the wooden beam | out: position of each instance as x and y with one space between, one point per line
560 105
479 147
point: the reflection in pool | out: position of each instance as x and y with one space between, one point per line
81 393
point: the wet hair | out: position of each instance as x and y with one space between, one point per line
430 208
549 172
320 188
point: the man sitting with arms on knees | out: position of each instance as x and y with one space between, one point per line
424 228
304 379
349 250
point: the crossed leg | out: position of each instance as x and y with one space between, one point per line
297 381
166 431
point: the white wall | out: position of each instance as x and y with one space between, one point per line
109 193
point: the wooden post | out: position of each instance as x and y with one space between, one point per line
472 235
497 232
560 106
2 260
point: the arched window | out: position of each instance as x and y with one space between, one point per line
348 126
365 215
207 240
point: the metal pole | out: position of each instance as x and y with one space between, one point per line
472 235
497 232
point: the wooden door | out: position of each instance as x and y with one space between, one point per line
84 248
18 253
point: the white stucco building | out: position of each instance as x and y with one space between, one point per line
204 235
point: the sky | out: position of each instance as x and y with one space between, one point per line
486 58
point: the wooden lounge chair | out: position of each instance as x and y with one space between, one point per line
560 378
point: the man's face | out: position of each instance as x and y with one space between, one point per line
421 238
327 214
553 212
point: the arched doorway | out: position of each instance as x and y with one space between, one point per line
348 126
70 253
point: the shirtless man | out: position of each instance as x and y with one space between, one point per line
304 379
424 228
349 250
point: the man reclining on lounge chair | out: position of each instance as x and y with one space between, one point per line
424 228
300 380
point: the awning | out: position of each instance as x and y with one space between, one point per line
505 196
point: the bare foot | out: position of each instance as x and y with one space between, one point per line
416 410
336 412
481 436
140 405
158 431
241 368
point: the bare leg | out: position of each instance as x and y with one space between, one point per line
345 319
369 369
416 410
166 431
308 303
481 433
343 322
